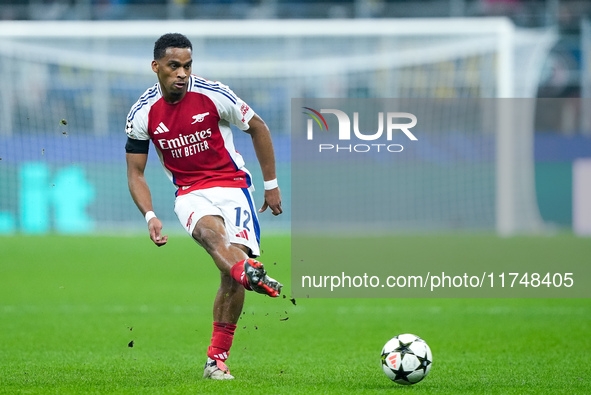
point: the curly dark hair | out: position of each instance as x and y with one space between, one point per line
170 40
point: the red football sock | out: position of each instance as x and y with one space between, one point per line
221 340
237 273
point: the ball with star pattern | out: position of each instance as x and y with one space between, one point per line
406 359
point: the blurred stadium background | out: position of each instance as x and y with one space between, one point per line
72 69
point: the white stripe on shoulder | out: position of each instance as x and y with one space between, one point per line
213 86
148 96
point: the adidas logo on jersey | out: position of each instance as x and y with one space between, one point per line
199 117
161 128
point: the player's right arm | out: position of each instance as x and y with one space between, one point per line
136 148
140 193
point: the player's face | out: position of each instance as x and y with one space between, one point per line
173 72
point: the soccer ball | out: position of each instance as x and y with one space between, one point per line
406 359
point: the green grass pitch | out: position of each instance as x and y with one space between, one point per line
70 308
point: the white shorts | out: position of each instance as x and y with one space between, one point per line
234 205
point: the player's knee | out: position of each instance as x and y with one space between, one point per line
209 238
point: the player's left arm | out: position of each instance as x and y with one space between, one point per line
263 147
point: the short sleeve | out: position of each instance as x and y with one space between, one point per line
233 109
136 126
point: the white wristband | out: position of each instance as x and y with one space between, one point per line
271 184
150 215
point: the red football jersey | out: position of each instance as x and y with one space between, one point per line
193 137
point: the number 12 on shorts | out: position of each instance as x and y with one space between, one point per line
245 215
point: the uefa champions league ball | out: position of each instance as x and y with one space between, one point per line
406 359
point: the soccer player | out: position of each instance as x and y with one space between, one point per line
188 120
